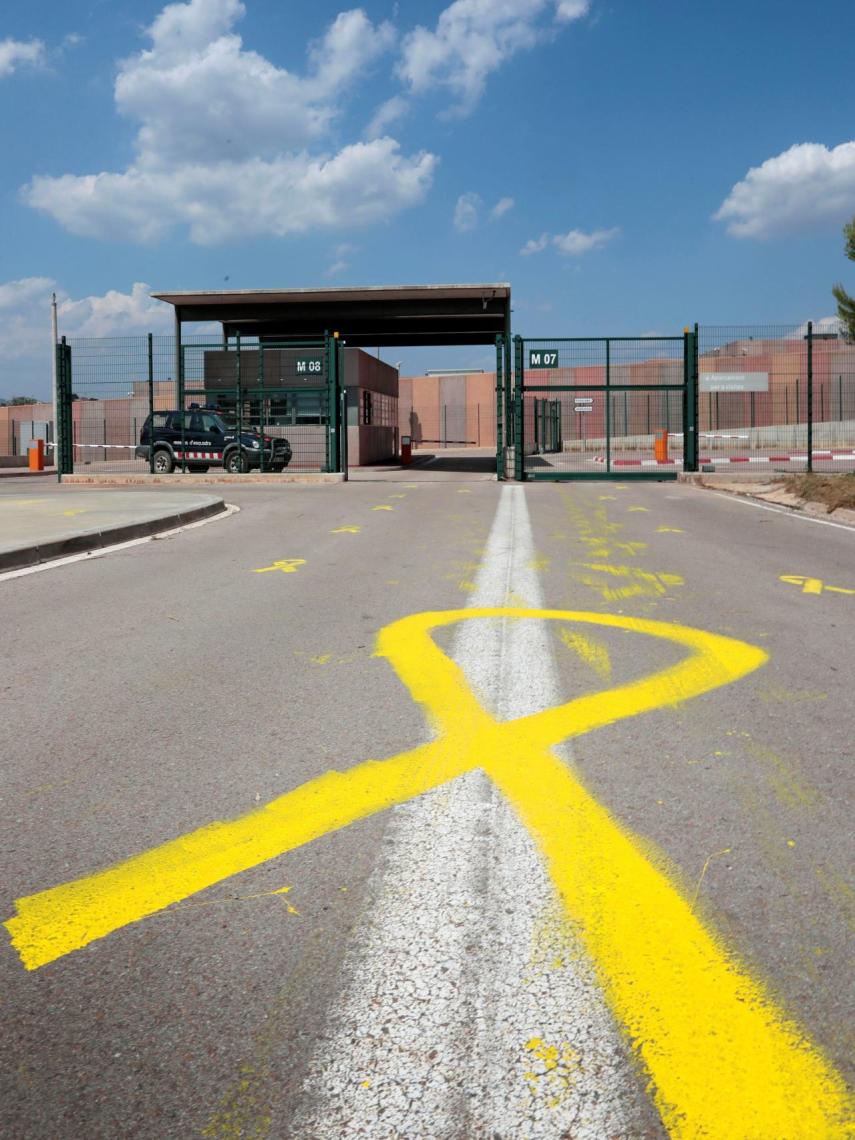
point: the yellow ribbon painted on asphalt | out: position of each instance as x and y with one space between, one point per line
723 1061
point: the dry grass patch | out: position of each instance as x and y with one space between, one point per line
833 490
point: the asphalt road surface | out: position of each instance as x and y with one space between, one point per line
283 858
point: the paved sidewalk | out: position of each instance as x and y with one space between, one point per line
38 527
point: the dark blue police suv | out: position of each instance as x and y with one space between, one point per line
205 439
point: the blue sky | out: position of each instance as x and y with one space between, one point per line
627 167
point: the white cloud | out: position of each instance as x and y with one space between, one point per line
386 114
201 96
472 39
115 314
363 183
576 242
501 207
806 187
823 325
566 10
535 245
17 53
25 318
341 254
228 143
466 212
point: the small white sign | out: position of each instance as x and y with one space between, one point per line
734 382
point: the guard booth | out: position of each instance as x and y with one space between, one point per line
283 327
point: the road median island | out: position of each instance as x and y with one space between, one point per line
35 531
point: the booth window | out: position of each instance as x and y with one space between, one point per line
367 407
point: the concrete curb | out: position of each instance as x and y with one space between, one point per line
25 473
92 540
768 490
180 479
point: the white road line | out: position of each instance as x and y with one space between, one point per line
89 555
786 511
467 1009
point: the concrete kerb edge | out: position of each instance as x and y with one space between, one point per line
729 484
92 540
179 479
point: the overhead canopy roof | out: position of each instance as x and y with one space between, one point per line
366 317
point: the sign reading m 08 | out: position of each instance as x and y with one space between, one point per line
541 358
306 365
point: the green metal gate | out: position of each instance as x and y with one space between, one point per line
605 407
279 390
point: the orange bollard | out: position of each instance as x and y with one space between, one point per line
36 455
406 450
660 446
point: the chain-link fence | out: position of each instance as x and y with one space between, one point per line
134 404
767 397
115 384
776 395
591 406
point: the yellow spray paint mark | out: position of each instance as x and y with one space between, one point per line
670 530
384 507
813 585
628 581
607 498
463 491
285 565
638 510
723 1060
552 1071
75 511
704 869
593 653
346 530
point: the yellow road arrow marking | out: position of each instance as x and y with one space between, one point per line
285 565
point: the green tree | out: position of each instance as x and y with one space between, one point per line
845 303
17 401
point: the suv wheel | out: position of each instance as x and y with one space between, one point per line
235 463
164 464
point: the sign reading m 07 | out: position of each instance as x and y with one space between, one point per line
541 358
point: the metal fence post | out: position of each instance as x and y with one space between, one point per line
150 404
810 396
690 400
509 398
518 408
333 382
343 421
241 462
608 423
261 401
500 396
181 408
64 450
